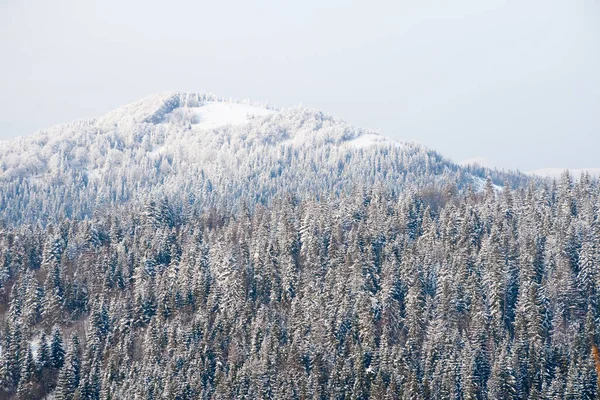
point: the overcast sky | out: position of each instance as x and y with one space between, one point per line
514 82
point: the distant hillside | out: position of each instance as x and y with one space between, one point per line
201 150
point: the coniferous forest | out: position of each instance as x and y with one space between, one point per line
431 293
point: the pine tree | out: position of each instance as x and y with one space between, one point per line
502 384
69 375
57 350
43 353
25 389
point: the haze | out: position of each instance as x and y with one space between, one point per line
514 83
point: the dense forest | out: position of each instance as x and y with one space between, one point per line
434 293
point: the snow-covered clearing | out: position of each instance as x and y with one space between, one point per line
370 140
214 114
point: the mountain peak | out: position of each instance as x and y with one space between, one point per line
154 108
199 112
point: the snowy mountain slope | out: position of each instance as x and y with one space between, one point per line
556 173
200 149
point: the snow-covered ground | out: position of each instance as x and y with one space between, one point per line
370 139
480 185
214 114
35 345
476 161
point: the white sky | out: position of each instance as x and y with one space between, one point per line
514 82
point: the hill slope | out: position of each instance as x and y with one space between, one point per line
203 150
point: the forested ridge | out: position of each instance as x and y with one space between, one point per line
426 294
189 147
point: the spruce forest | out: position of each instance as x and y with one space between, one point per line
427 293
381 200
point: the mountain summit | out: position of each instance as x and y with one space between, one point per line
207 151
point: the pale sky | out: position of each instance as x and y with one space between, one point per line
516 83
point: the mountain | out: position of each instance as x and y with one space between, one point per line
202 150
556 173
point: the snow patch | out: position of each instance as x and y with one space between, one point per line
214 114
370 139
479 185
156 150
476 161
35 346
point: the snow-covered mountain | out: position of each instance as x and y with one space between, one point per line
556 173
204 150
